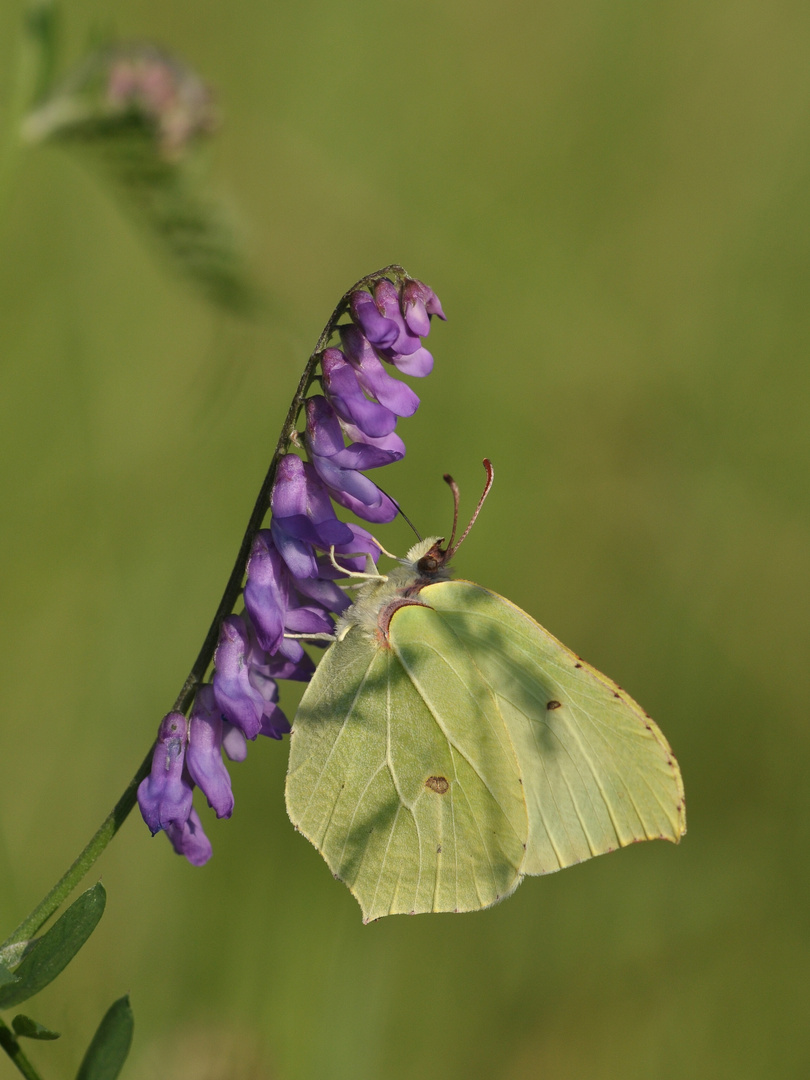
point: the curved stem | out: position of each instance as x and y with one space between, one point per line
118 815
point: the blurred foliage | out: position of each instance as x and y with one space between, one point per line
140 117
611 201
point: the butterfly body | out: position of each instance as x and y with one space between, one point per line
448 745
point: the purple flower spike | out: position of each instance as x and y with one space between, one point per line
236 697
302 516
348 400
380 331
165 795
372 376
234 742
189 839
266 591
204 757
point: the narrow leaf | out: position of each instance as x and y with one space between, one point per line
6 976
27 1028
48 955
108 1051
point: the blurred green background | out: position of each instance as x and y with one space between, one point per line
612 201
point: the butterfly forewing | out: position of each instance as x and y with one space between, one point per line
403 776
597 772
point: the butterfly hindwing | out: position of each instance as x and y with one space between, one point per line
597 771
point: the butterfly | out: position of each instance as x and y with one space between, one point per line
447 746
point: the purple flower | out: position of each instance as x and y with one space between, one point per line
267 591
346 397
189 839
338 465
302 516
419 302
276 665
239 701
404 347
274 722
204 754
165 795
380 331
234 742
372 376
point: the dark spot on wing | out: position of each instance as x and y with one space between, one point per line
616 694
439 784
438 849
577 665
554 705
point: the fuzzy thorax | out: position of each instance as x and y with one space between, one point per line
379 597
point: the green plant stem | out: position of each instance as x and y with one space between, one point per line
8 1041
118 815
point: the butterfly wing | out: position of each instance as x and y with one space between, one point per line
597 772
403 775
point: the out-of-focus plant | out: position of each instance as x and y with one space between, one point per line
142 120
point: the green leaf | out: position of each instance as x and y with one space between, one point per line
108 1051
27 1028
6 975
48 955
447 746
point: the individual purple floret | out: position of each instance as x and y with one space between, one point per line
240 702
204 755
338 465
234 742
292 590
266 591
372 376
302 516
381 332
346 397
274 722
164 796
189 839
419 302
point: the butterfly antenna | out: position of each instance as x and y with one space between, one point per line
448 479
490 477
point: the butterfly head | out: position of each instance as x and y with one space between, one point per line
428 558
